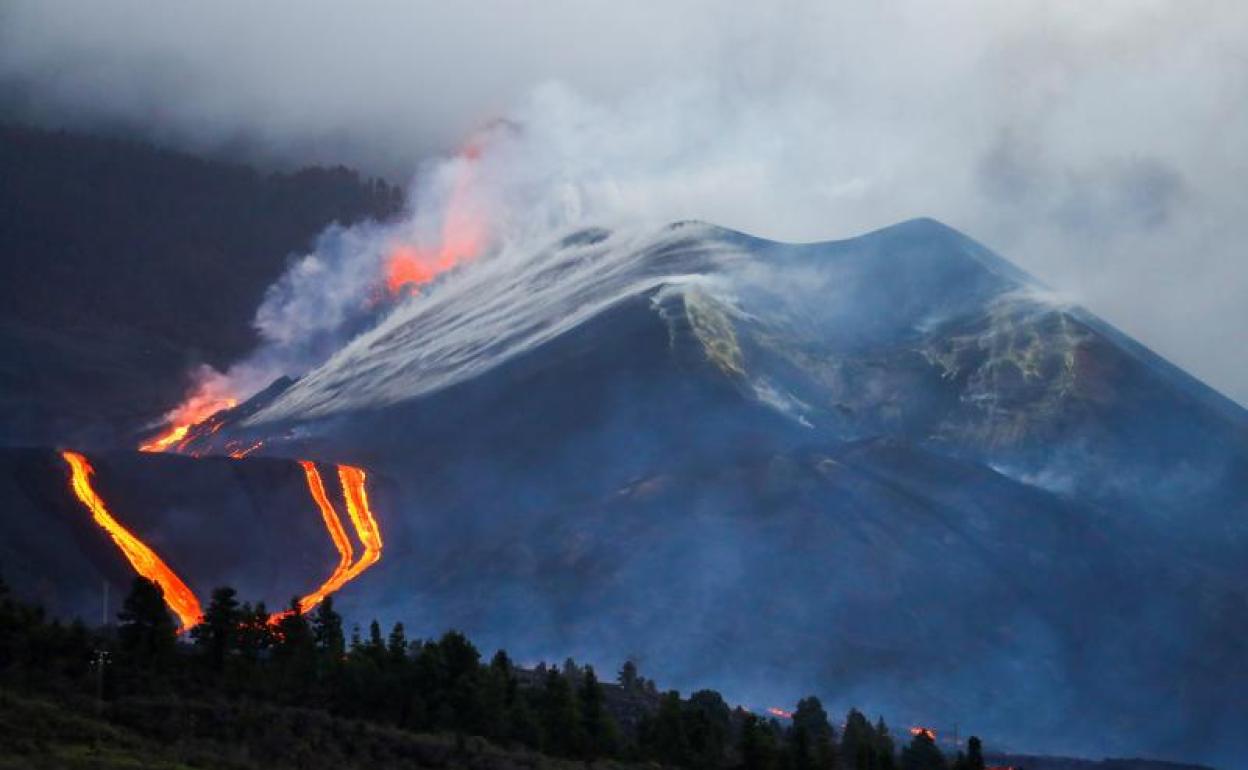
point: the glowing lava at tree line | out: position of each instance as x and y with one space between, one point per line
181 600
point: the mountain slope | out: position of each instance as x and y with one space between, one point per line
893 467
895 459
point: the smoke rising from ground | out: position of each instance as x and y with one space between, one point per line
1101 147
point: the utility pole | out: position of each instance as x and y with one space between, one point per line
100 661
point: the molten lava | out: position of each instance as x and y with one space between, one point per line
926 731
144 560
333 524
182 600
362 519
462 237
196 409
779 712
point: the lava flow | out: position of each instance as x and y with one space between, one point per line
779 712
925 731
144 560
362 519
182 600
333 524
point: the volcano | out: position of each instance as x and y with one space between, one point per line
895 470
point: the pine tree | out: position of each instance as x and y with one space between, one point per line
396 646
357 646
327 631
255 635
522 722
147 634
217 634
460 656
663 734
294 652
858 743
758 745
502 667
628 677
922 753
813 738
974 754
561 725
708 722
497 689
601 732
375 647
885 749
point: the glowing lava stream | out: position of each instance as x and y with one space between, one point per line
333 524
362 519
144 560
361 514
182 600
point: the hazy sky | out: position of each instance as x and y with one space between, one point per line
1102 146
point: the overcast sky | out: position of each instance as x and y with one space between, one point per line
1101 145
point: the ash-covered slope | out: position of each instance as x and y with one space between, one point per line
913 331
892 469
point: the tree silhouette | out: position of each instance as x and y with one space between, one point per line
217 633
922 753
146 633
974 754
812 736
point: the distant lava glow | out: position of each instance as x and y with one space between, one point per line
239 451
144 560
927 731
779 712
204 403
462 238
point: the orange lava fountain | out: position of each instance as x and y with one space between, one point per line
144 560
462 238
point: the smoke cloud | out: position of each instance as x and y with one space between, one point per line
1101 147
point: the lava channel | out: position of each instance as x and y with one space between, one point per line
182 600
333 524
354 492
144 560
